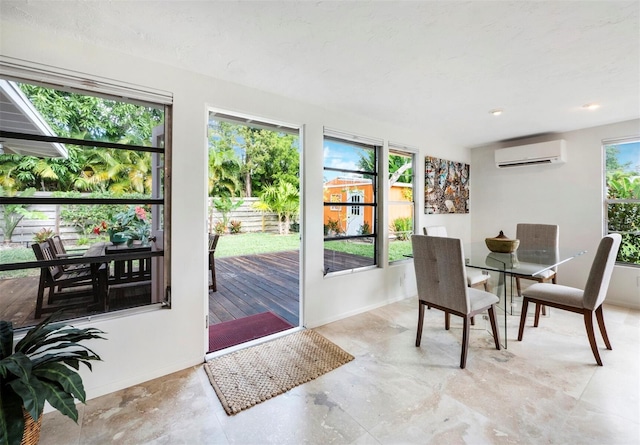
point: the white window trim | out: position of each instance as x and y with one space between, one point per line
67 80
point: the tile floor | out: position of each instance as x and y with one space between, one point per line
546 389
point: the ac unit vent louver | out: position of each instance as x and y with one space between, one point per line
551 152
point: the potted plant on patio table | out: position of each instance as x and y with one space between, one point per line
43 366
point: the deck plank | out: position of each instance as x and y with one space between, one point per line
247 285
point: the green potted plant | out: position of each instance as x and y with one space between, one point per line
43 366
139 228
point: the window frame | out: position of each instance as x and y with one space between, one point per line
368 144
108 89
403 150
609 201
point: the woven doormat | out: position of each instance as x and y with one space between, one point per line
247 377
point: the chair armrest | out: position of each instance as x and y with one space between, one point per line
68 255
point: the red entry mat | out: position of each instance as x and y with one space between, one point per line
234 332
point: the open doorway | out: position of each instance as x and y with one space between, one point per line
254 228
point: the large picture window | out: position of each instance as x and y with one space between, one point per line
622 181
82 200
350 202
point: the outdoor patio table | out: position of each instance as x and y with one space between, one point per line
119 267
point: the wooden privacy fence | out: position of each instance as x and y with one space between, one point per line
251 220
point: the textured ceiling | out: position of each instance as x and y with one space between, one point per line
439 65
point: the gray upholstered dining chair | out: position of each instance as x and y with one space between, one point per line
442 284
475 277
586 302
537 237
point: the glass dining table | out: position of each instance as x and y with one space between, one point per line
505 266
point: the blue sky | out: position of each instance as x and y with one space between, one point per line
630 153
340 155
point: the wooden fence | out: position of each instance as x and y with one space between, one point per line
251 220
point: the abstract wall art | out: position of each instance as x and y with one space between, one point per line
446 186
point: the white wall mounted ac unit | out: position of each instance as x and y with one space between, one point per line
551 152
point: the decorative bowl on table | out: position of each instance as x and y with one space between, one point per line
502 244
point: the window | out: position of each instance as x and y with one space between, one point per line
622 181
350 201
86 170
401 207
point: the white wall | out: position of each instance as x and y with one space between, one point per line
570 195
147 345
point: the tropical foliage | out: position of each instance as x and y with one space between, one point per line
402 227
132 223
42 367
254 158
282 198
86 218
224 173
12 214
225 206
623 207
85 117
400 167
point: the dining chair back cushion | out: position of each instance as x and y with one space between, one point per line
595 290
440 272
436 231
538 237
474 277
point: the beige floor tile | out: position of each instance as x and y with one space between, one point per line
545 389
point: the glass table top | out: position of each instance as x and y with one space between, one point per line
522 262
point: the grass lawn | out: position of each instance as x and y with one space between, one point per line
17 255
253 243
397 249
231 245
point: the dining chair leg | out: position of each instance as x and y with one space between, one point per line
447 320
536 319
523 317
518 287
588 323
493 318
420 321
465 341
603 329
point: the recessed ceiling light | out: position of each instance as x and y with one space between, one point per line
496 112
591 106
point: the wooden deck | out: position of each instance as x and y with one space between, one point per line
252 284
247 285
